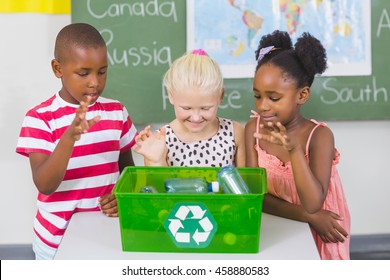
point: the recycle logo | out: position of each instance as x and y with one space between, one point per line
190 225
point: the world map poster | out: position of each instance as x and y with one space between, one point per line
230 30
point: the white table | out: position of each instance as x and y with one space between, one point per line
93 236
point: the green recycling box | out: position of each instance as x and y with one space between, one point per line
196 223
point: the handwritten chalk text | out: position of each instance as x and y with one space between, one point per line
153 8
136 56
384 22
231 100
369 93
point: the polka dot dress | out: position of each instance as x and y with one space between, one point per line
216 151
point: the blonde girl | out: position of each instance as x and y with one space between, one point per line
197 136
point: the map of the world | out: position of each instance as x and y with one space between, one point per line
230 30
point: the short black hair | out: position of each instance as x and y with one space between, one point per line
301 62
79 35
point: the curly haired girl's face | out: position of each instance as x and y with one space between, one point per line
276 94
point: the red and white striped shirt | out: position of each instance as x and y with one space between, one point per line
93 167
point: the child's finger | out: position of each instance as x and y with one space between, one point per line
138 139
87 100
142 135
341 230
107 201
92 121
282 128
160 134
112 213
147 131
83 108
163 132
79 119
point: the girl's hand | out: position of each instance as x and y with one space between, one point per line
152 146
108 205
277 134
326 224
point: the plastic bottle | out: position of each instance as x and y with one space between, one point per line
148 189
190 185
231 181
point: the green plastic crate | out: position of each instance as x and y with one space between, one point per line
196 223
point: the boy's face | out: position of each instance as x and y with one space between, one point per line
83 72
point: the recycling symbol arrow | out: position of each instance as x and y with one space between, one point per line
190 225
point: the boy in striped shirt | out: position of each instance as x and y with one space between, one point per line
77 141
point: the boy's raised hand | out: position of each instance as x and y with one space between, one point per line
80 124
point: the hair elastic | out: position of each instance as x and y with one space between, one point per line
264 51
199 52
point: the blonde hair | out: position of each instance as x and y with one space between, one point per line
194 70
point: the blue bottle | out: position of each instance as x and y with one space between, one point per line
231 181
190 185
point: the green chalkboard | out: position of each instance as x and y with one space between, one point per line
145 36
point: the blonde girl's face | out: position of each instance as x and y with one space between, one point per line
194 109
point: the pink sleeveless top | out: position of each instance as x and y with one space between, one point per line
281 184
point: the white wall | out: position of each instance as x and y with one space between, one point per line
26 49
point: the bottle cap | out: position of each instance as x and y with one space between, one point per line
148 189
215 186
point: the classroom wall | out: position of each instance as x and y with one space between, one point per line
26 50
